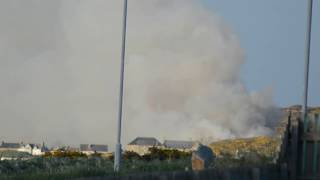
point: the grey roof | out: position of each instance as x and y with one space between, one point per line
99 147
10 145
94 147
145 141
84 147
178 144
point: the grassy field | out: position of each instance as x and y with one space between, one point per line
68 168
264 146
255 151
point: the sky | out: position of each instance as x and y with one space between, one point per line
272 34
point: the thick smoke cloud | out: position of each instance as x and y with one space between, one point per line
59 73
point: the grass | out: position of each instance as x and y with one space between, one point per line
264 146
69 168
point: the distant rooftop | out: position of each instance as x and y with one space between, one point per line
178 144
145 141
99 147
10 145
84 147
94 147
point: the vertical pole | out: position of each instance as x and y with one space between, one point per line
306 81
117 156
294 150
315 146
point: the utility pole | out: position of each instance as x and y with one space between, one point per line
117 157
306 80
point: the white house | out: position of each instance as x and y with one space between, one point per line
33 149
141 145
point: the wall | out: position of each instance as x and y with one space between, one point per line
141 150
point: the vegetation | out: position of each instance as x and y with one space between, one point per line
265 146
62 164
65 154
157 154
68 168
68 165
53 168
245 152
14 154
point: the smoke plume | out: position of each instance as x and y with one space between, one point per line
59 66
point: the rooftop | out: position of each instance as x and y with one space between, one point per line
178 144
145 141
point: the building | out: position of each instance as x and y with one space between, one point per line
141 145
10 146
90 149
33 149
178 145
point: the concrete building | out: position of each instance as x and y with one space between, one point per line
141 145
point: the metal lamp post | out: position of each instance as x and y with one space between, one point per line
117 156
306 81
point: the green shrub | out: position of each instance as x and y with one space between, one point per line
62 153
130 155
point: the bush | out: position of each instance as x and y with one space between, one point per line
130 155
64 154
157 154
168 154
71 168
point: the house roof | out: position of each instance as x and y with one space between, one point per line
84 147
145 141
178 144
99 147
10 145
94 147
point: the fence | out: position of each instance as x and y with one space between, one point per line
264 173
300 147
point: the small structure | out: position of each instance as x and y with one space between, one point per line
185 146
10 146
90 149
141 145
202 157
33 149
72 149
